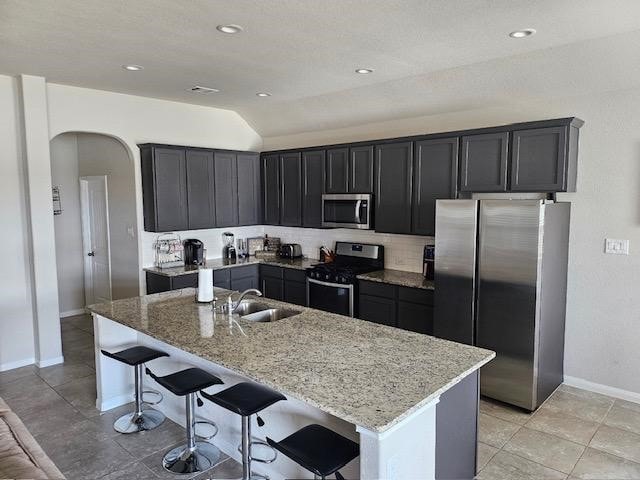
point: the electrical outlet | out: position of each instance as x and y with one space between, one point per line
616 247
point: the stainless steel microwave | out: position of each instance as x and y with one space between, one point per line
347 210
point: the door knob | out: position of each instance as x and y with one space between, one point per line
91 254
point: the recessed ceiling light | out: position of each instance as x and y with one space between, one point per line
133 68
229 28
364 71
201 89
526 32
263 94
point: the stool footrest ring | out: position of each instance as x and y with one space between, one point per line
152 392
257 441
211 424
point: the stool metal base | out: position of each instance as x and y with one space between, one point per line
182 459
133 422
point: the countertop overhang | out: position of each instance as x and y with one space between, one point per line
367 374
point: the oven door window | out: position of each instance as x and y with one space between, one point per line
335 298
345 211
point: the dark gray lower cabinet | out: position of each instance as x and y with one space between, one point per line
394 180
249 189
313 178
200 189
157 283
271 189
295 286
222 278
291 190
402 307
272 282
243 278
484 162
435 177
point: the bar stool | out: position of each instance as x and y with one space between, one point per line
320 450
140 419
247 399
194 456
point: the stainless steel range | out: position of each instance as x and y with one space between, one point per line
332 286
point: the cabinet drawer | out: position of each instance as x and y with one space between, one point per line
244 272
185 281
377 289
295 292
271 271
295 275
415 295
415 317
377 310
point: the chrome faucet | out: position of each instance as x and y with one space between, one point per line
233 306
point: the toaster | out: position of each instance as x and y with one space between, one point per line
290 250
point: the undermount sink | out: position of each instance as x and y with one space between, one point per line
270 315
259 312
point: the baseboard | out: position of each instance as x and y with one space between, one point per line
603 389
50 361
114 402
17 364
71 313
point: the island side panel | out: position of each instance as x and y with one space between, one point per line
407 450
457 430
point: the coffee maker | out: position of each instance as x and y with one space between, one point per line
229 250
193 252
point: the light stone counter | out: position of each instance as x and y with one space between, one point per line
399 277
367 374
220 263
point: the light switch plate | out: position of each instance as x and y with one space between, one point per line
616 247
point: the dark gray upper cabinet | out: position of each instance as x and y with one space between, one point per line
291 189
361 169
200 189
249 189
271 189
226 189
394 172
337 180
313 178
435 177
484 162
164 187
539 160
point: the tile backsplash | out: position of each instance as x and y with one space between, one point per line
402 252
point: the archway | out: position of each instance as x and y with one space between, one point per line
82 154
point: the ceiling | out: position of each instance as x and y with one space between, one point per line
429 56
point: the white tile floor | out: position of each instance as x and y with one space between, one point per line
575 434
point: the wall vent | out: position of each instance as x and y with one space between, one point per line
201 89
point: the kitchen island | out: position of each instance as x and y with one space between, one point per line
375 384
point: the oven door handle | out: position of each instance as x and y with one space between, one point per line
329 284
358 207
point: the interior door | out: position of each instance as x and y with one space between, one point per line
95 239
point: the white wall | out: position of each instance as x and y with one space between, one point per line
16 310
603 311
68 230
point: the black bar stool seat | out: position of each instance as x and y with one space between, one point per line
186 381
247 399
318 449
194 456
136 355
141 419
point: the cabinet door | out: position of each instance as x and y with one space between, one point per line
200 189
361 170
539 160
377 309
170 182
295 292
226 189
271 189
484 162
415 317
273 288
291 189
337 170
249 189
313 168
435 177
394 166
242 284
222 278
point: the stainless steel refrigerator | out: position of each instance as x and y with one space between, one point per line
501 283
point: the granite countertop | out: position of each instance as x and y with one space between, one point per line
364 373
220 263
399 277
